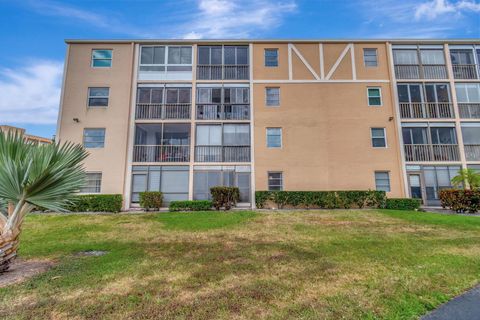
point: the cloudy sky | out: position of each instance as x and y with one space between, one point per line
32 33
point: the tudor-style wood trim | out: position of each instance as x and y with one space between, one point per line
305 62
339 60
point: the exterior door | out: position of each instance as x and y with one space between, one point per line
416 190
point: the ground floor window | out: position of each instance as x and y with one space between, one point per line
172 181
275 181
382 181
93 183
205 177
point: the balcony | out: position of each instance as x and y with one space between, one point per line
425 110
425 71
465 71
151 111
222 153
223 72
432 152
469 110
223 112
472 152
161 153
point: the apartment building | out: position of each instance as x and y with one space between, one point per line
180 116
28 137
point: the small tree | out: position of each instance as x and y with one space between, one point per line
34 175
468 178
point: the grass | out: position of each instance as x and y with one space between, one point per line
365 264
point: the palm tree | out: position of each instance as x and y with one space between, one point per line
467 176
34 175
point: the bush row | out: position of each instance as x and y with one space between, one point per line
191 205
403 204
322 199
225 197
460 200
97 203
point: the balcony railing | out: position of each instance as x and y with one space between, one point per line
223 112
435 110
162 111
432 152
161 153
469 110
472 152
425 71
465 71
222 153
222 72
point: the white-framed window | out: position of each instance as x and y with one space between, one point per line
94 137
275 181
271 57
101 58
170 62
370 57
379 137
274 137
374 96
98 96
93 183
382 181
468 92
272 97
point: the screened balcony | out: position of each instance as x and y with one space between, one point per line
223 143
431 100
468 98
160 103
464 64
413 62
425 144
223 63
471 140
168 142
223 103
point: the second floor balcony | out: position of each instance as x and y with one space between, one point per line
469 110
472 152
471 140
417 110
161 153
157 111
468 97
161 102
431 152
430 142
423 101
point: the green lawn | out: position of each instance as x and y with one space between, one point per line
348 264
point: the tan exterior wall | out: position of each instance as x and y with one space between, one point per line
262 72
326 138
110 160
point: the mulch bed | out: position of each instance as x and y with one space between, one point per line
21 270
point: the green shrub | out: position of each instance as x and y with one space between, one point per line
224 197
322 199
460 200
151 200
403 204
97 203
191 205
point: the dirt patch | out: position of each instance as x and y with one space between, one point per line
21 270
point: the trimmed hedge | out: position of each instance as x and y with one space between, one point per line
224 197
191 205
403 204
97 203
460 200
322 199
151 200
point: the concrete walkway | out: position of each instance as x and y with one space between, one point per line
464 307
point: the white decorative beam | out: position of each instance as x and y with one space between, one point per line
305 62
340 58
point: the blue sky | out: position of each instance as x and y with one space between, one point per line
33 33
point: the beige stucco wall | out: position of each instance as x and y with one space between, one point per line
110 160
326 138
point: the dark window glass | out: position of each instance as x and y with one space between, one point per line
203 55
216 55
147 55
403 93
416 93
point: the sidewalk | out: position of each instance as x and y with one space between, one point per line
464 307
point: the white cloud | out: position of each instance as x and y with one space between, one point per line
435 8
235 18
31 93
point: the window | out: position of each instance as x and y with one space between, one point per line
382 181
275 181
102 58
272 96
370 57
94 138
98 97
468 92
172 181
274 137
379 139
93 182
374 96
165 63
271 57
